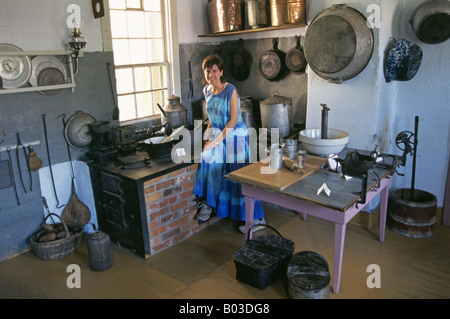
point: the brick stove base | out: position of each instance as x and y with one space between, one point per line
171 208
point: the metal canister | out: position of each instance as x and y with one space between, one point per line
258 13
296 11
175 112
279 12
276 112
100 253
247 111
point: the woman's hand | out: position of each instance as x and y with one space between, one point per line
209 145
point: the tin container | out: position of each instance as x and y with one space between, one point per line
290 148
276 156
258 13
100 253
296 11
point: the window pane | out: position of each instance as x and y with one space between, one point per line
134 4
121 52
142 79
119 24
153 25
136 24
161 98
152 5
127 107
144 104
159 77
155 51
117 4
138 51
124 80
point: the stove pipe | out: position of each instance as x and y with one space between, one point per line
324 126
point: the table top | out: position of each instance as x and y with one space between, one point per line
344 192
260 174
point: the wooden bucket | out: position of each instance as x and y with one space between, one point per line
412 217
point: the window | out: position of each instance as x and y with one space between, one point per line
138 34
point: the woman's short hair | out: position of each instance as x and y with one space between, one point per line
212 60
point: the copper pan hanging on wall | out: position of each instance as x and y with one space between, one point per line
338 43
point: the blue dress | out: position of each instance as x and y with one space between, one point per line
233 153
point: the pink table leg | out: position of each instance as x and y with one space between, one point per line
339 240
383 211
249 211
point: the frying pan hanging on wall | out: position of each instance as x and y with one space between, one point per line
295 58
240 62
272 63
431 21
338 43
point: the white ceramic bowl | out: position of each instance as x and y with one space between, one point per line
313 143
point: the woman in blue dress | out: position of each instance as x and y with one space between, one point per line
225 150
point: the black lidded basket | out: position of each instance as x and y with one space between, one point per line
263 259
58 248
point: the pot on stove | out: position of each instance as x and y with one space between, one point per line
158 149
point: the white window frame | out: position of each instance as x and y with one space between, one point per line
172 49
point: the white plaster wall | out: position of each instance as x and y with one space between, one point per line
41 25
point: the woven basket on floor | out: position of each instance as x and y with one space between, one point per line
263 259
58 248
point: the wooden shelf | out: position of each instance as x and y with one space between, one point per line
226 33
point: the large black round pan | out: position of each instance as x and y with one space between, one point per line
241 62
157 149
272 63
338 43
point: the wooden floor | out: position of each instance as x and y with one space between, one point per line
203 266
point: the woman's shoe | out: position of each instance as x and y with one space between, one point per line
260 225
205 212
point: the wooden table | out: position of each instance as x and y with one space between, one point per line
301 195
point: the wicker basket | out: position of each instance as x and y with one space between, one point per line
263 259
58 248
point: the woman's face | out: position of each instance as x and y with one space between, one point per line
213 75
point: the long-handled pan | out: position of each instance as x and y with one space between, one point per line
49 161
19 144
12 175
75 212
